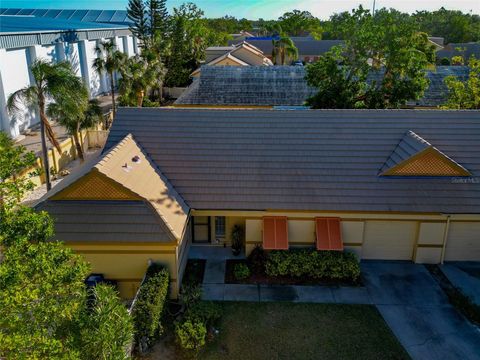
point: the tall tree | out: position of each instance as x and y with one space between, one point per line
13 163
298 23
150 21
284 48
109 60
382 64
465 94
140 75
51 82
76 113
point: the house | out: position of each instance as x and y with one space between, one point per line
27 35
309 49
385 184
241 54
255 86
465 50
247 86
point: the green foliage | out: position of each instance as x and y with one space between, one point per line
24 225
333 265
445 61
257 260
150 21
387 45
207 312
458 60
284 49
43 296
453 25
464 94
107 331
191 335
238 235
150 305
300 23
229 24
14 160
241 271
190 294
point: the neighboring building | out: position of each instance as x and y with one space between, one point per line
242 54
466 50
26 38
242 35
393 185
309 49
91 16
286 86
248 86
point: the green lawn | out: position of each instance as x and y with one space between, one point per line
302 331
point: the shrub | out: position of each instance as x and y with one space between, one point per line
204 311
190 294
257 260
149 306
191 335
237 238
241 271
314 264
445 61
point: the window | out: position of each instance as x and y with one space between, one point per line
219 227
275 233
329 236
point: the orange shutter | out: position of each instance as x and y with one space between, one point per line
275 233
329 235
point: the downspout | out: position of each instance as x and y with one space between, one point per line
445 238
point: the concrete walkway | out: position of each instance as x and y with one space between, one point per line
418 312
465 276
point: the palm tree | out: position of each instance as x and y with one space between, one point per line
285 48
76 113
139 76
51 82
109 60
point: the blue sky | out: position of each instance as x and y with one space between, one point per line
254 9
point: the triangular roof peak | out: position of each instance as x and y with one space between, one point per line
415 156
128 173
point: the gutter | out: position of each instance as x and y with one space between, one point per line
445 238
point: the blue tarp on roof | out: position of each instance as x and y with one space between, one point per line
20 24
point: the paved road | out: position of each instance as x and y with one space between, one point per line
418 312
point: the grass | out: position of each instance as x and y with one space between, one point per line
302 331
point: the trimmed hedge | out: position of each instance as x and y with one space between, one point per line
314 264
149 306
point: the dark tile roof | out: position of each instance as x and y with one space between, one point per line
248 85
304 160
305 46
464 49
105 221
286 86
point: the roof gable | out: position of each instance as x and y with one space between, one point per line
415 156
126 173
95 186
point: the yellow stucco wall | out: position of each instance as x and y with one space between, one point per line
127 263
394 236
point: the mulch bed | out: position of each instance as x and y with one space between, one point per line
263 278
194 272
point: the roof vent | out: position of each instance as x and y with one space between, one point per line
415 156
136 159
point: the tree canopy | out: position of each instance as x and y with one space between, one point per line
464 94
381 65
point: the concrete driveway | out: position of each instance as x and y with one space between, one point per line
418 312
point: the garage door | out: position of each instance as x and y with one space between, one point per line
389 240
463 242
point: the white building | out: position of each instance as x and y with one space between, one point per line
26 38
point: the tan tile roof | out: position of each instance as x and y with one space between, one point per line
127 165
